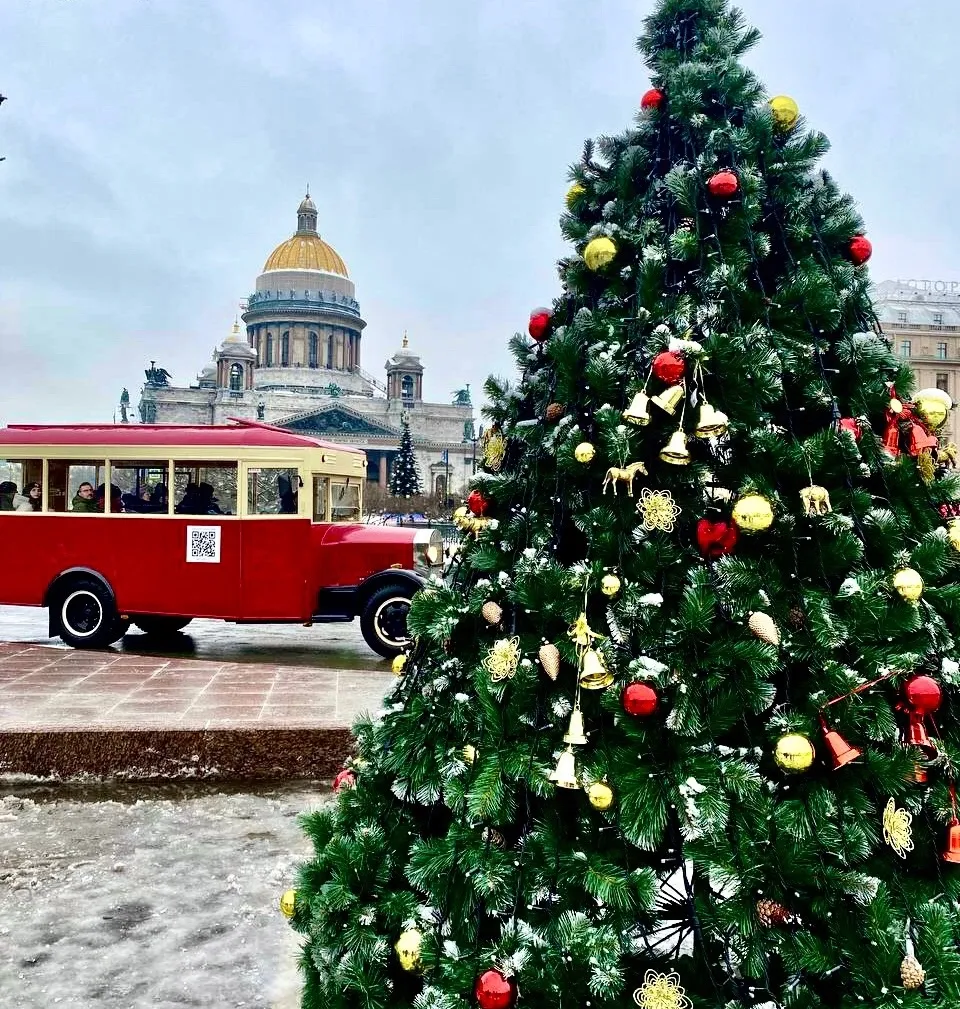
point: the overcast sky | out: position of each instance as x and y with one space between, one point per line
156 151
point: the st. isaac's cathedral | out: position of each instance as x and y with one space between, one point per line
298 366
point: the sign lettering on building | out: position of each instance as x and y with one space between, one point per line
933 286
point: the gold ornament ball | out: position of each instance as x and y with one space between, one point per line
573 194
610 585
908 584
399 664
794 753
599 252
288 903
600 795
469 753
753 513
953 533
785 111
584 452
933 406
408 948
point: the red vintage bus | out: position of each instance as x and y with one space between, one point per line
157 524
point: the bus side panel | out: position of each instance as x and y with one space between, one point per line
276 556
143 559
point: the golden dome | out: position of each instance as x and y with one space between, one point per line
305 252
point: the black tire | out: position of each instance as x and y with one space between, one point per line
160 627
86 614
383 621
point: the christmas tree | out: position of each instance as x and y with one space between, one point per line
677 728
405 475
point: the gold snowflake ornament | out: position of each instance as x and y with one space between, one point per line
494 450
502 659
658 509
896 829
661 991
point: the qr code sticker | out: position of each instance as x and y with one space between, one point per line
203 544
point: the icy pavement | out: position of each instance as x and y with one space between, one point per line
164 897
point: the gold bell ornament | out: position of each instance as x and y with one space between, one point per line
953 533
408 948
638 412
600 795
594 675
575 735
288 903
675 451
564 775
711 423
669 399
908 584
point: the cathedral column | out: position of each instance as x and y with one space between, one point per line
383 471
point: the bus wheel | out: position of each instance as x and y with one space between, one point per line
383 622
87 615
160 627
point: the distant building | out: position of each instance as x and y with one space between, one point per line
297 365
922 320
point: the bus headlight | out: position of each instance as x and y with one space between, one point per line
427 550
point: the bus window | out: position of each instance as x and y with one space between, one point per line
319 498
346 502
205 488
143 486
13 476
72 485
273 490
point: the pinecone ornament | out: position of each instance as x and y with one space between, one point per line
771 913
554 412
764 628
550 660
492 612
911 973
796 618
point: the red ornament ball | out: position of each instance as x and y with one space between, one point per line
639 699
669 367
494 991
861 250
653 99
723 184
344 779
923 694
852 425
539 324
478 503
715 539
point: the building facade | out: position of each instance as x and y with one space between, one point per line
921 318
297 364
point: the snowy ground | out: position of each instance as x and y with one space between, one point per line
125 897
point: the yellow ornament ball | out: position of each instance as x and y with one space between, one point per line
399 664
785 111
599 252
469 753
908 584
600 795
953 533
573 194
288 903
933 406
794 752
408 948
584 452
610 585
753 513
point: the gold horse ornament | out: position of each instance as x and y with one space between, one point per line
617 475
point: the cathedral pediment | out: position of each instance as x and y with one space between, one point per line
338 420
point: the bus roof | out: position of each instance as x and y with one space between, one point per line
241 433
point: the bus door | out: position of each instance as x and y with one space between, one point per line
275 546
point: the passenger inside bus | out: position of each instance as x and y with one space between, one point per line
199 499
8 491
287 495
85 500
30 500
116 498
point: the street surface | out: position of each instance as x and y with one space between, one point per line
157 897
329 646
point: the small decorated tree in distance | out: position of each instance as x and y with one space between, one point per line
405 476
678 730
